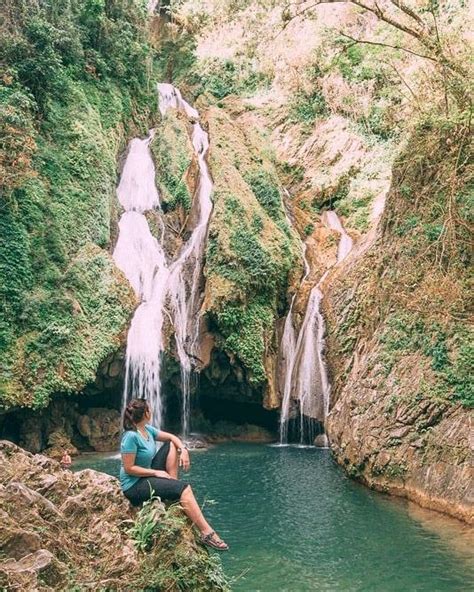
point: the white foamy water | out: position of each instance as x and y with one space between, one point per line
137 189
170 98
304 372
185 277
165 290
138 254
331 219
288 348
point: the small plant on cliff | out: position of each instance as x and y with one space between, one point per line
307 107
265 188
143 530
227 77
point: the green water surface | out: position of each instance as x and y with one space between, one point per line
296 523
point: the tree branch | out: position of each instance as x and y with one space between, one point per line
380 43
410 12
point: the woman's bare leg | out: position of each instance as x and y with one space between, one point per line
172 462
193 511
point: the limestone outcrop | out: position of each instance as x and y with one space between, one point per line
101 428
399 341
65 531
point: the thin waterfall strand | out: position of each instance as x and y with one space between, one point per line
305 375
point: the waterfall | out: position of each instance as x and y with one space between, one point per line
141 258
304 370
164 289
185 275
288 357
331 219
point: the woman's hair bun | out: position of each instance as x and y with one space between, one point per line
134 413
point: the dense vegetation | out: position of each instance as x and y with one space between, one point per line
173 154
251 249
76 83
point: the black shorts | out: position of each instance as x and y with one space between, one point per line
147 487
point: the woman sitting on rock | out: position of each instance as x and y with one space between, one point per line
146 473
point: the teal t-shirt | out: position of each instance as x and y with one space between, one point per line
144 450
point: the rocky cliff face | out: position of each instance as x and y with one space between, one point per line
252 255
399 343
65 531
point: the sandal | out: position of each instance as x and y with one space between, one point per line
212 540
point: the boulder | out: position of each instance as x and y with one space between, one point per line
58 442
321 441
101 428
64 531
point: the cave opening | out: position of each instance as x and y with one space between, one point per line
217 415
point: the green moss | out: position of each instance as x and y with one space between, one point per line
449 358
391 470
294 172
356 210
248 263
307 107
75 85
173 155
250 251
176 60
226 77
244 328
266 190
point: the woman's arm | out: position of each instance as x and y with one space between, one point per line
128 460
167 437
182 450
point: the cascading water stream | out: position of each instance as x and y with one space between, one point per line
142 259
185 275
331 219
288 349
304 368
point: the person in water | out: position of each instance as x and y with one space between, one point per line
65 461
146 473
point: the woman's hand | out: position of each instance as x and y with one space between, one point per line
184 461
162 474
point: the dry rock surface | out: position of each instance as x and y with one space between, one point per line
71 531
398 336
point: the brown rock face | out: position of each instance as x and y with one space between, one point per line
420 451
63 531
101 428
58 442
398 333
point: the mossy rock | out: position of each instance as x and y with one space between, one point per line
74 333
251 249
173 154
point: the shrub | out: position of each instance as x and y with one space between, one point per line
307 107
265 189
226 77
